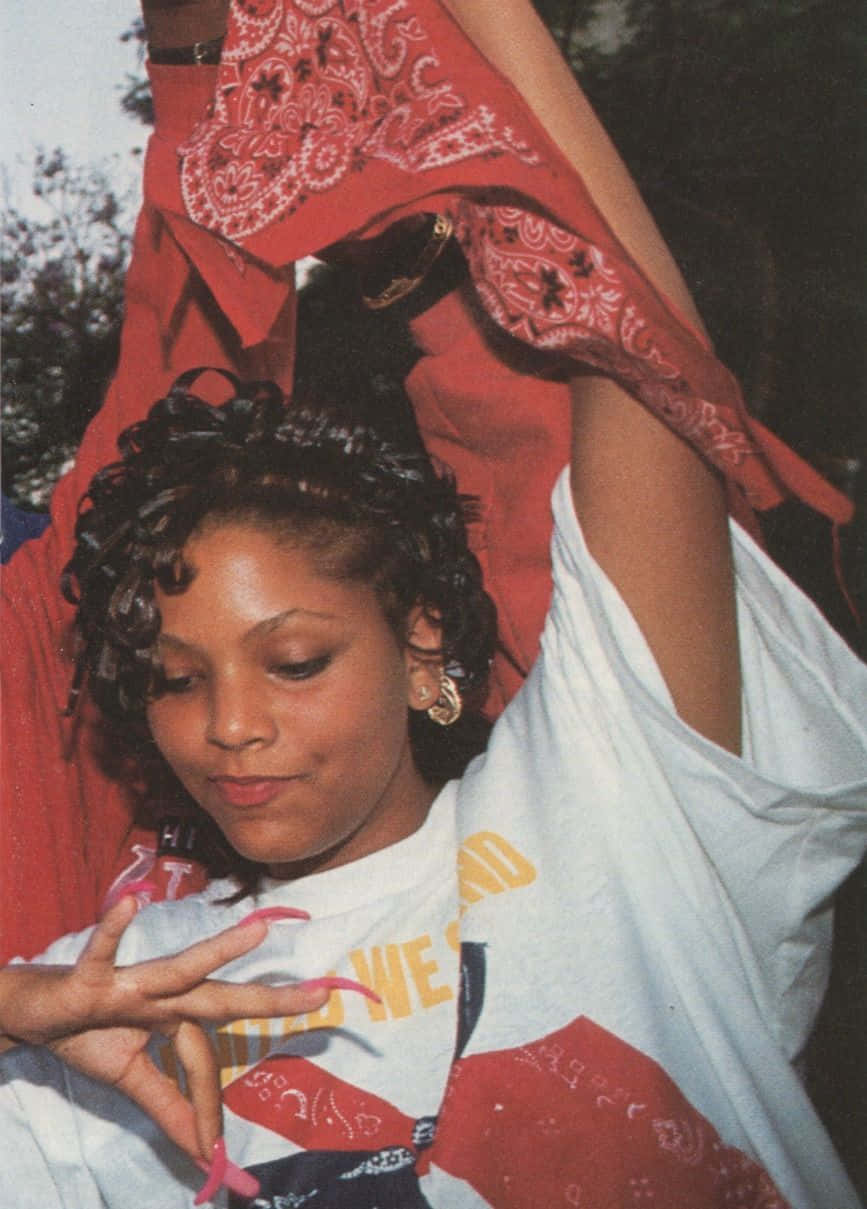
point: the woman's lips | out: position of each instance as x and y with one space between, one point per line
249 791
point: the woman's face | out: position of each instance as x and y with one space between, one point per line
285 708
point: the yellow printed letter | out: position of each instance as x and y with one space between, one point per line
422 971
390 985
514 869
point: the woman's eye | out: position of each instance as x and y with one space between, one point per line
175 684
303 669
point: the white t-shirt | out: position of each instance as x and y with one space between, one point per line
598 957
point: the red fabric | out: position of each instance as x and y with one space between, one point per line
314 1109
582 1118
151 875
65 822
509 462
575 1118
329 110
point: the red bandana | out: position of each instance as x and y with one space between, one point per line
374 110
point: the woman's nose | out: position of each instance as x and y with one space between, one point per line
238 717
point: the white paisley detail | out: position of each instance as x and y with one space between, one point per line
309 92
555 290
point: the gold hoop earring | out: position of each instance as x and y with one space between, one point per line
447 708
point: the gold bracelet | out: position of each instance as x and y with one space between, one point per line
399 287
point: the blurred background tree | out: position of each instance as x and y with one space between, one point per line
744 123
742 120
62 297
136 97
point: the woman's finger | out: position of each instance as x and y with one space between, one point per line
162 1100
167 976
219 1002
195 1125
196 1056
102 945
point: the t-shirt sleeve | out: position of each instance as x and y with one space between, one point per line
780 827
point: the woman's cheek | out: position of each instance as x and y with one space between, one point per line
169 726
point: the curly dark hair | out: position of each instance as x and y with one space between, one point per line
363 508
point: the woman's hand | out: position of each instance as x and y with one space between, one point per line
99 1018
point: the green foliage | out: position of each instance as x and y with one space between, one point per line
572 25
62 295
743 122
136 100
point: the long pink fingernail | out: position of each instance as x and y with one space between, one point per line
216 1174
240 1181
270 913
142 886
235 1178
342 984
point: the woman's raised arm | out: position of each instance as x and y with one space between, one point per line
654 517
652 511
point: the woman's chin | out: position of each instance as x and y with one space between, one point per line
282 860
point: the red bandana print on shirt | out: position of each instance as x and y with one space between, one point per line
577 1118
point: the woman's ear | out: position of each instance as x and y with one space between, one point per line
423 655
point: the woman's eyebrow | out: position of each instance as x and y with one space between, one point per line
261 628
269 624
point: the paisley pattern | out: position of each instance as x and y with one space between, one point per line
347 113
554 290
311 91
574 1118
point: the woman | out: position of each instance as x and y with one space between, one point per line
600 813
584 950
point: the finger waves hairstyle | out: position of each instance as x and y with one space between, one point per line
364 509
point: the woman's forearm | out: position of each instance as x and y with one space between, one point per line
169 24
